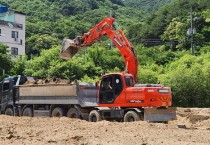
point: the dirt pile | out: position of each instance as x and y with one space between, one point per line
193 118
53 80
26 130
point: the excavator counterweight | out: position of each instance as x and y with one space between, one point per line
69 49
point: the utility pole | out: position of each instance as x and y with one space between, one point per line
191 31
191 17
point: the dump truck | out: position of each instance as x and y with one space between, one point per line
54 99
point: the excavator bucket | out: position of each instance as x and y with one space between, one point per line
160 114
69 49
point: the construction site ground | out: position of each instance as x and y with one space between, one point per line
192 127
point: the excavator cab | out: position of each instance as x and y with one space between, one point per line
69 48
110 88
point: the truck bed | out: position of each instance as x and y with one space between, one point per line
83 94
57 90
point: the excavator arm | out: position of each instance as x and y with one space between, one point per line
105 27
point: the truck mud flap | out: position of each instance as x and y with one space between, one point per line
69 49
159 114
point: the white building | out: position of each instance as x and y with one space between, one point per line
12 31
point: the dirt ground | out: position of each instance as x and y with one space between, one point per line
192 127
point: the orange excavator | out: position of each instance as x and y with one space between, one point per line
118 94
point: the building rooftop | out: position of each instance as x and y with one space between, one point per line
4 9
19 12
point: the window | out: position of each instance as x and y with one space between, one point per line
1 33
21 42
106 95
0 86
14 51
118 85
14 34
106 83
129 81
5 86
19 26
110 89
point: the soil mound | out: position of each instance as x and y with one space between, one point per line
193 117
37 130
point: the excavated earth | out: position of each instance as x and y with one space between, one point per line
192 127
46 81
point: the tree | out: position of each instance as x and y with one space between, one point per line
36 43
149 74
5 60
206 28
176 32
18 66
189 79
49 64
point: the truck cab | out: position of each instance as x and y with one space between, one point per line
7 93
6 98
0 95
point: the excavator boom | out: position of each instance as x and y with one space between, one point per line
105 27
71 47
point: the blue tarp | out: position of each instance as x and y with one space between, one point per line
3 9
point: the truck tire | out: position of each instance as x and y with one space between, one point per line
73 113
9 111
95 116
28 112
132 116
57 112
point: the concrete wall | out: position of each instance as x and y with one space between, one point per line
6 32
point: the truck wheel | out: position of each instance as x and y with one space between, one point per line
9 111
73 113
28 112
95 116
57 112
131 116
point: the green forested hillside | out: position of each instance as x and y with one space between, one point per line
50 21
170 23
146 5
157 29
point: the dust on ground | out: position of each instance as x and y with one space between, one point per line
192 127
